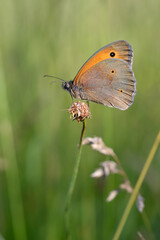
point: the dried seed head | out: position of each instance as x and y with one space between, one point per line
98 144
79 111
98 173
109 167
112 195
126 186
140 203
140 236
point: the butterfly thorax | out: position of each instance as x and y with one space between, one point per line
74 90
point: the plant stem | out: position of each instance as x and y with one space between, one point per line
73 181
137 187
121 168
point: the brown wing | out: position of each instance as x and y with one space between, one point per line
120 49
110 82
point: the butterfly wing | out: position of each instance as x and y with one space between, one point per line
120 49
110 82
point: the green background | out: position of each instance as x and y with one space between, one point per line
39 141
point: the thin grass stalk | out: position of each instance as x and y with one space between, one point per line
10 163
137 187
145 217
73 181
120 166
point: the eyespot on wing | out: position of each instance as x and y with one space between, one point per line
119 49
99 85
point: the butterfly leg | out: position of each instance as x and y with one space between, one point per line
72 98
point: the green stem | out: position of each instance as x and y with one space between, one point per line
73 181
137 187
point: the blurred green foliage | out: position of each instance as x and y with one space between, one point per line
39 141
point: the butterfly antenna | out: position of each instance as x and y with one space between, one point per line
54 77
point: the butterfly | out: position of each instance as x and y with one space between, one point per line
106 77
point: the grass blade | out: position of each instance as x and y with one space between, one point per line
137 187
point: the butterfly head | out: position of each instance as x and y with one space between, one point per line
68 86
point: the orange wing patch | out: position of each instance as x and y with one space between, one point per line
120 49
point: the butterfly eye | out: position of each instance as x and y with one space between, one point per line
121 90
112 54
